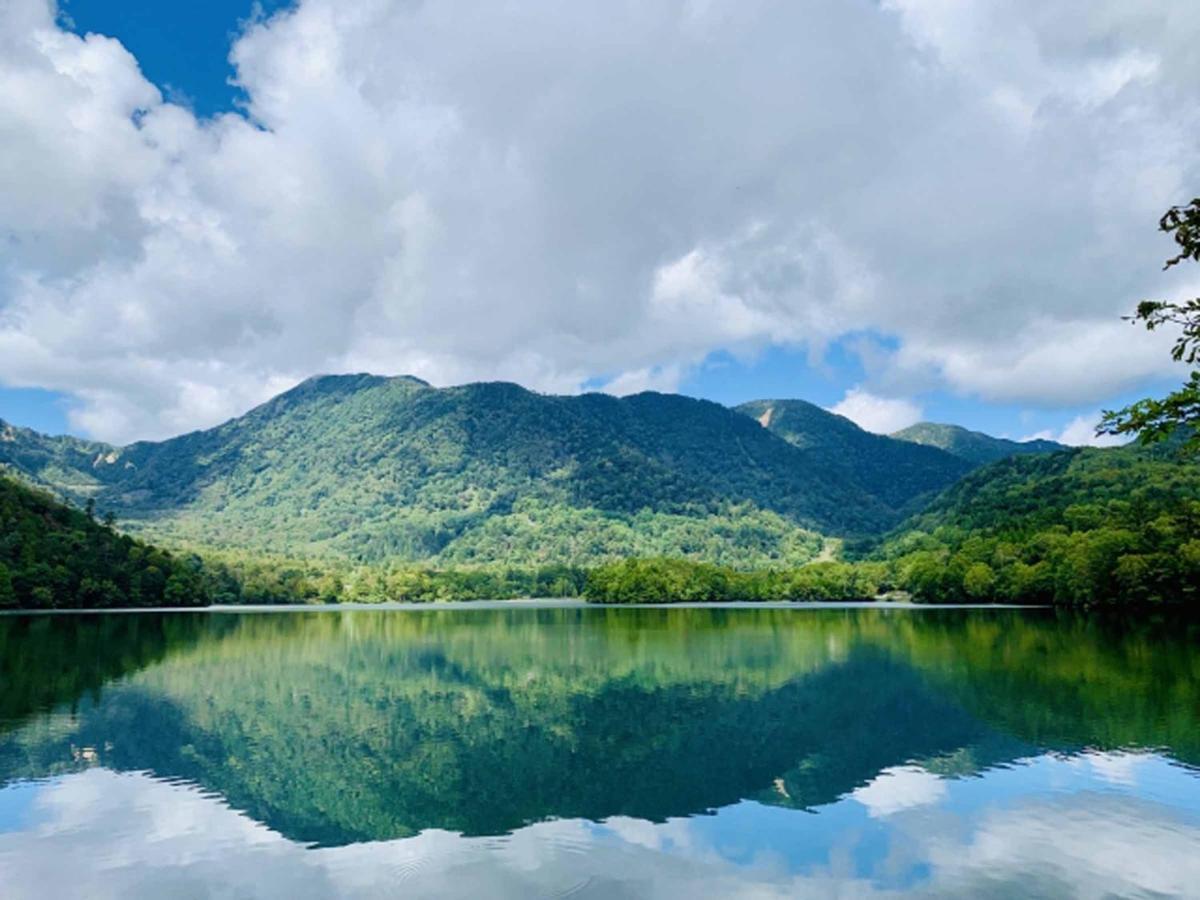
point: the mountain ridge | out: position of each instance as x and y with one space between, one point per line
375 467
906 474
974 446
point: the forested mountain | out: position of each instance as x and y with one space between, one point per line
973 446
54 556
373 468
901 472
67 465
1078 527
361 470
366 469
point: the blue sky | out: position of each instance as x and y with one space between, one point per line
181 47
575 200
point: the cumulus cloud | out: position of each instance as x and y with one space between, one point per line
133 835
655 378
566 193
1080 432
883 415
898 788
1092 845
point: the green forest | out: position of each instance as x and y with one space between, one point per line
367 489
388 470
405 719
54 556
1075 527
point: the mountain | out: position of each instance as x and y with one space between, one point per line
374 468
52 555
1084 526
67 465
974 446
903 474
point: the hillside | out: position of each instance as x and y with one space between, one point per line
373 468
973 446
55 556
1117 527
1082 526
903 474
64 464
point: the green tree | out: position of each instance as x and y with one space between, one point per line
979 581
1155 420
52 555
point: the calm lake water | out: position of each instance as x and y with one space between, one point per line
555 752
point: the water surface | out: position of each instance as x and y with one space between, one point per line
602 752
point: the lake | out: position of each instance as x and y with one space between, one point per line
599 752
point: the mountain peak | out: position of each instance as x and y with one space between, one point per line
375 468
354 380
798 421
900 473
973 446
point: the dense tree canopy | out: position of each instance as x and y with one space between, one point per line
1080 528
54 556
381 470
973 446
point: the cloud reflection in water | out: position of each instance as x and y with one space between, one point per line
1053 826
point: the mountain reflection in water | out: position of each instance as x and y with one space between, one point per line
610 752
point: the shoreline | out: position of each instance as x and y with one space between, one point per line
523 603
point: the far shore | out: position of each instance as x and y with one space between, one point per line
525 603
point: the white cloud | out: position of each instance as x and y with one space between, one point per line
883 415
1117 768
898 788
567 191
1056 361
1080 432
656 378
1089 845
132 835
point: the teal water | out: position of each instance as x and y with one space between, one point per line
601 752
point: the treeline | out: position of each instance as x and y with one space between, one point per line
1081 528
1076 528
685 581
53 556
244 578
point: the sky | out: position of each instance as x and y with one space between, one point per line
899 209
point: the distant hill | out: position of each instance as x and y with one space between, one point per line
1083 526
54 556
974 446
903 474
64 464
374 468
